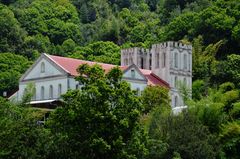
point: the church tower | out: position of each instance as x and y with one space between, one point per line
171 61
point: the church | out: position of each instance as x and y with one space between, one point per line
164 64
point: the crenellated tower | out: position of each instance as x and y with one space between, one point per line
171 61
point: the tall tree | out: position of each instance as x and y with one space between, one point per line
99 121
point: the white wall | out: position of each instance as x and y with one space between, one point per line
46 83
50 70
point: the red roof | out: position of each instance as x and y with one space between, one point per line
70 65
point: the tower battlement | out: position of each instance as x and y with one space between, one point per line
171 61
172 44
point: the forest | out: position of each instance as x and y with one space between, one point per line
116 123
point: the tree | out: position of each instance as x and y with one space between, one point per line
155 97
106 52
11 68
11 34
99 121
21 136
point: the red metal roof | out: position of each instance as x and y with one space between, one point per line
70 65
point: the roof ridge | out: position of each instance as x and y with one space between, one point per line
101 63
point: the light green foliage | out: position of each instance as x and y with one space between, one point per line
101 119
11 68
58 20
29 92
106 52
204 59
232 67
155 97
230 137
198 89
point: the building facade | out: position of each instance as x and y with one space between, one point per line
171 61
53 76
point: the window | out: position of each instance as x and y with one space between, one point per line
185 61
185 81
150 62
34 94
141 63
175 101
164 60
131 61
59 90
138 92
133 73
126 62
50 92
175 81
42 92
157 61
176 60
42 67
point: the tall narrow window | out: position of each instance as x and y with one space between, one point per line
185 81
176 60
157 61
126 62
175 81
164 60
42 92
150 62
42 67
50 92
133 73
138 92
59 90
131 61
34 94
141 63
175 101
185 61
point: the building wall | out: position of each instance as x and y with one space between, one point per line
36 71
171 61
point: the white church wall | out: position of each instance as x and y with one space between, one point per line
37 72
46 83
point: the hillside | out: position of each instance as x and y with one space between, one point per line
96 30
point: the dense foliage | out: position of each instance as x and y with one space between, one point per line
96 30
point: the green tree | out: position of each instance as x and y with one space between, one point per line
11 68
155 97
99 121
11 34
100 51
21 136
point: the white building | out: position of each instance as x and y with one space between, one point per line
53 76
171 61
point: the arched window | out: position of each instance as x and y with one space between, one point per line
42 67
42 92
157 61
185 61
175 81
133 73
164 60
176 60
59 90
175 101
50 92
